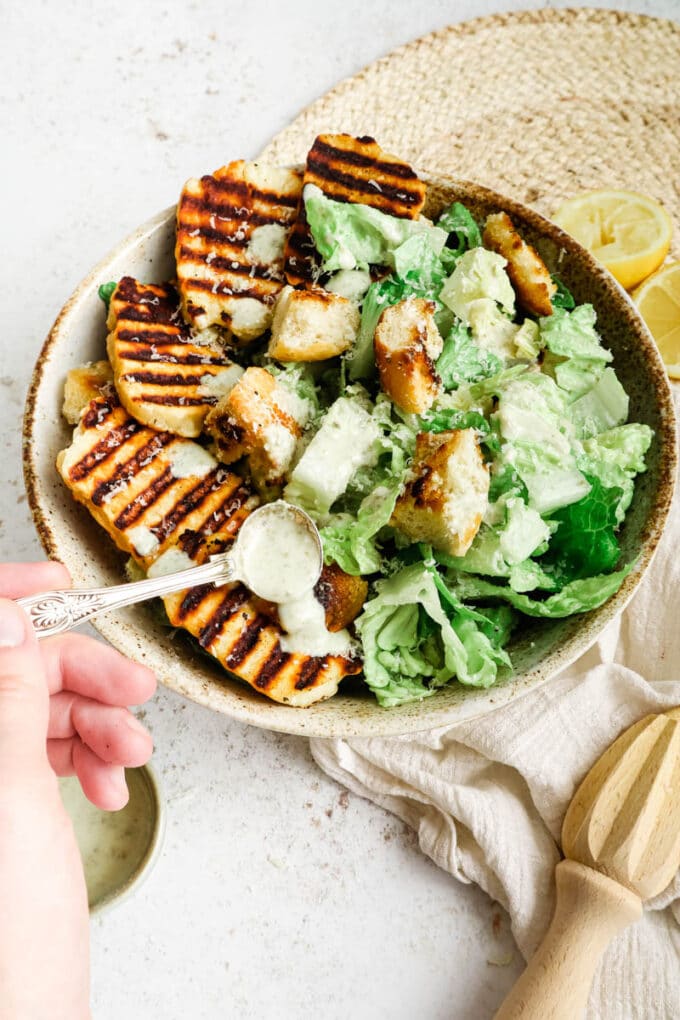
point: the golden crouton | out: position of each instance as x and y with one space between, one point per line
312 325
528 272
341 595
445 499
357 170
82 385
262 420
407 344
231 230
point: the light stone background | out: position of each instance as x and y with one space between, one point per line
278 896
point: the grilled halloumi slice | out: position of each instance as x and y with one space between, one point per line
357 170
231 230
528 272
163 377
168 503
147 487
82 385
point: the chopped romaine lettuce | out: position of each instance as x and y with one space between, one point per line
575 376
491 329
352 236
106 290
347 440
446 418
602 408
615 457
576 597
584 542
462 230
528 340
350 283
463 361
562 298
478 274
573 334
414 644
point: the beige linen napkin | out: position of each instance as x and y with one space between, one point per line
487 797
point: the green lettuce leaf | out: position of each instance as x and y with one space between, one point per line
562 298
602 408
352 236
575 376
584 542
615 457
413 644
573 334
462 361
105 292
446 418
479 273
576 597
462 230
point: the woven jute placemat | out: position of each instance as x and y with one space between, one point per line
536 104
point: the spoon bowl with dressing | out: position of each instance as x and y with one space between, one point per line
277 554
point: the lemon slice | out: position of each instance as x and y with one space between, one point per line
658 300
629 233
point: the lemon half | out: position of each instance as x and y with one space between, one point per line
629 233
658 300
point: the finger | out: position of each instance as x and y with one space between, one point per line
17 579
103 784
60 756
86 666
113 734
24 701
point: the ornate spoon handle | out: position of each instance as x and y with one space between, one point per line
53 612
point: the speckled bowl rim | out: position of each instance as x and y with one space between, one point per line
339 720
126 889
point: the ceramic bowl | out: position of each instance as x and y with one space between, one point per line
539 650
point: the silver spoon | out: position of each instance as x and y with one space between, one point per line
53 612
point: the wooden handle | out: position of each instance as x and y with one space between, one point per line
590 910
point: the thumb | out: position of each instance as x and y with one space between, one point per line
24 697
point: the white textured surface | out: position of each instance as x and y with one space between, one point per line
277 895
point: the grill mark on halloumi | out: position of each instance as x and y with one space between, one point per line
131 467
246 642
308 674
193 599
178 400
144 500
217 266
146 334
272 665
355 170
233 601
227 621
105 449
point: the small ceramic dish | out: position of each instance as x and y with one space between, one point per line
118 848
539 650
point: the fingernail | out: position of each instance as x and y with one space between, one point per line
135 725
12 625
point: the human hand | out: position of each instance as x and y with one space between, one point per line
62 708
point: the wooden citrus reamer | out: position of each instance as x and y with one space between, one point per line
621 841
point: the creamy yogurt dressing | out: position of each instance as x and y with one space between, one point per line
112 844
278 558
